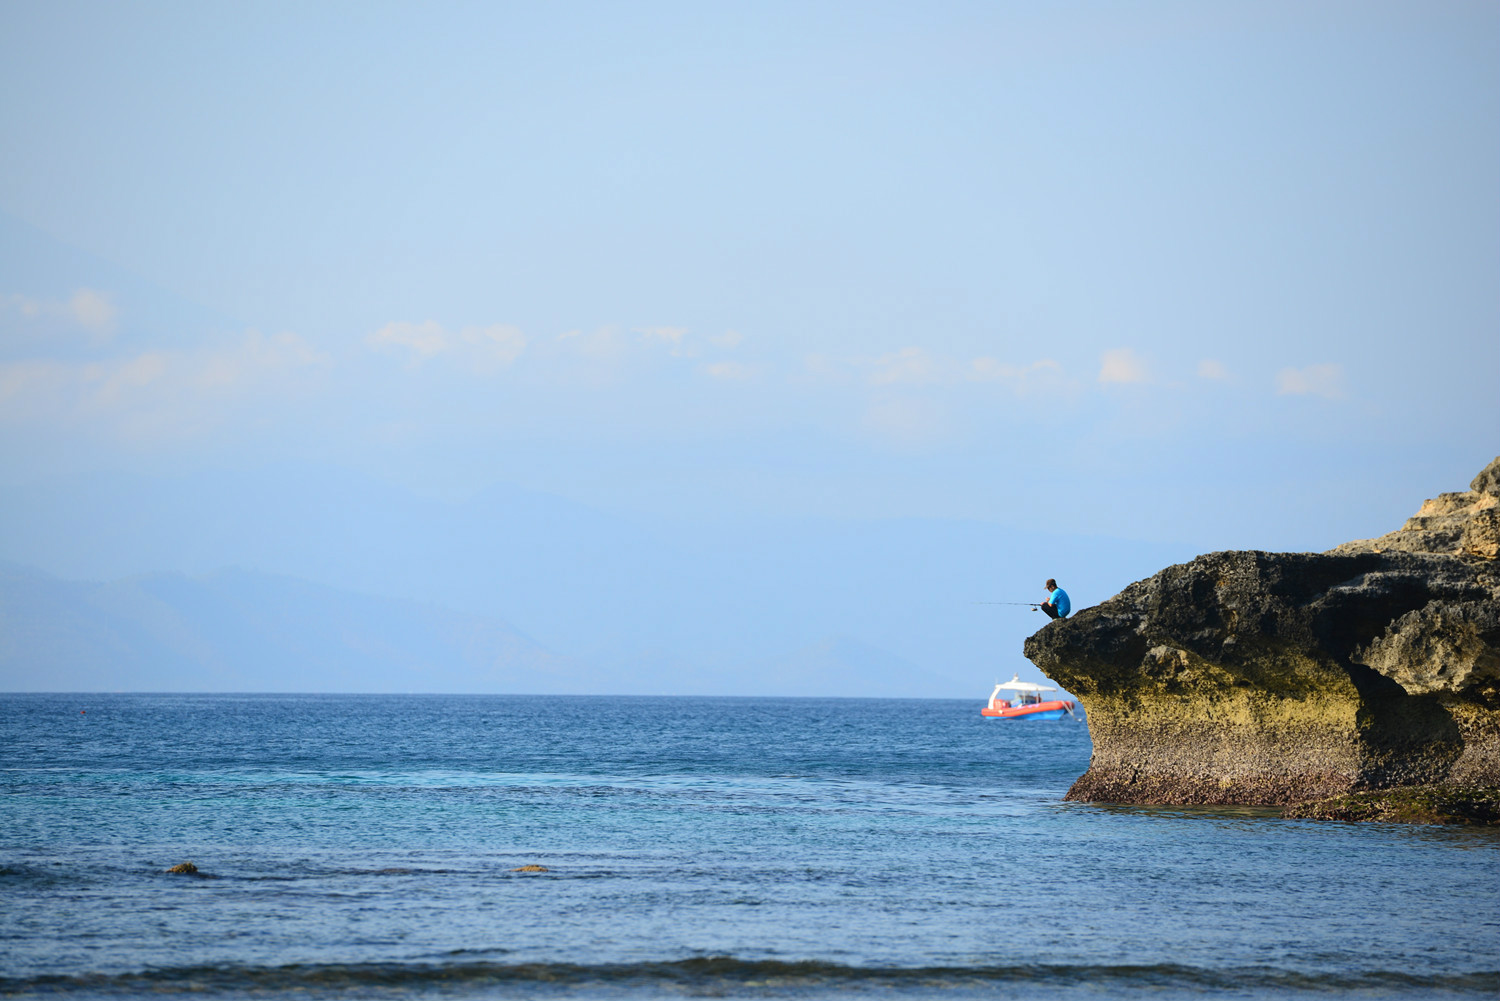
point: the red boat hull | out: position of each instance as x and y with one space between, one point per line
1052 709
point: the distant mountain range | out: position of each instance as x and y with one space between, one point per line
508 590
243 631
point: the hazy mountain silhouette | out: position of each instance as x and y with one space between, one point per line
237 630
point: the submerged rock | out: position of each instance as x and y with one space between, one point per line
531 868
184 869
1411 805
1261 678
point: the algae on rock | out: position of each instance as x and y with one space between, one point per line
1409 805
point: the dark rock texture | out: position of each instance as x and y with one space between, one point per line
1275 678
1408 805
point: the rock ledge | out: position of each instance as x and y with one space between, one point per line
1259 678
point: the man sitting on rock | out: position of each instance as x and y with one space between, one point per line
1057 605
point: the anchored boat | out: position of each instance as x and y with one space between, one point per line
1027 702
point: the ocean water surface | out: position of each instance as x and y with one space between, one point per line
369 846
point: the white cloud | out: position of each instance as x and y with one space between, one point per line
1022 378
911 365
611 354
1210 369
485 349
254 357
672 337
119 382
423 340
88 309
1121 365
728 339
1326 381
93 311
25 380
732 371
825 368
155 394
494 347
601 345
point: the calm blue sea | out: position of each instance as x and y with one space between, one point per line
366 846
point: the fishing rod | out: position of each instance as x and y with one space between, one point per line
1028 604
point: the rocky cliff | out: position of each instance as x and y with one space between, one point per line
1275 678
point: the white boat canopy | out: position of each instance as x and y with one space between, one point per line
1015 684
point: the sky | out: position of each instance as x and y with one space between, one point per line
1176 275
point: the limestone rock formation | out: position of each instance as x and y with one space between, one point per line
1276 678
1456 524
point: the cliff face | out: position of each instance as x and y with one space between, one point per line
1274 678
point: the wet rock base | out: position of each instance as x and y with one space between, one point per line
1412 805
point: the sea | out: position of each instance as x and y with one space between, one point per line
427 846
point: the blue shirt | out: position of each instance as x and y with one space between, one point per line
1059 599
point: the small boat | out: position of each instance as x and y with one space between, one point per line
1027 703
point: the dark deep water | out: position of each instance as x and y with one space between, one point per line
363 846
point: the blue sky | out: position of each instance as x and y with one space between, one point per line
1205 276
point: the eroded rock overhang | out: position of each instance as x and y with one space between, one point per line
1273 678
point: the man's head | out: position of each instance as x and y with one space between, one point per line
1051 584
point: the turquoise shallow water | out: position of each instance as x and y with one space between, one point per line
360 846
